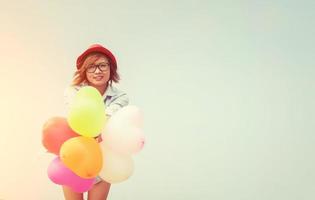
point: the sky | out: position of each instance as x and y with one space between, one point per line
226 88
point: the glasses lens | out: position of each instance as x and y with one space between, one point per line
103 67
91 68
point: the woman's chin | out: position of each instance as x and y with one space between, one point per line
98 83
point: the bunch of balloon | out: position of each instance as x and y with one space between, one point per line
79 156
122 137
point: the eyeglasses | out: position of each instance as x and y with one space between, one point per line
102 67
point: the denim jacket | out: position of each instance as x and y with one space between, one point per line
114 98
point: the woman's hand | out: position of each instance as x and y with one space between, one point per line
99 138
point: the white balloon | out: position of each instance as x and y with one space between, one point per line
125 140
123 132
128 116
116 167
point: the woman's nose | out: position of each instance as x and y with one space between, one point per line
97 70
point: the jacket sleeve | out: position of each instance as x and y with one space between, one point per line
117 103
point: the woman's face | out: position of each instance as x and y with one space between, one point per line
98 73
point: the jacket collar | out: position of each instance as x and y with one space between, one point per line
110 91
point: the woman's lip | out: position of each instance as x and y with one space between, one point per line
98 77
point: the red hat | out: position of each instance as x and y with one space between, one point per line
96 48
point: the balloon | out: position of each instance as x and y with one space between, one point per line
55 132
86 114
117 167
82 155
125 140
123 131
89 92
61 175
128 116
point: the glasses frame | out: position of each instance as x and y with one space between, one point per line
98 66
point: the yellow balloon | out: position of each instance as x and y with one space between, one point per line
86 114
89 92
82 155
116 167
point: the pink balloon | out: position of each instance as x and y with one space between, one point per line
61 175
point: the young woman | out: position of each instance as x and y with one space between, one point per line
96 67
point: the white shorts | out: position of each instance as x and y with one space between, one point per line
97 180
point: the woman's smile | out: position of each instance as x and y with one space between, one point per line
98 78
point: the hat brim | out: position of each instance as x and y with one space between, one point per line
96 49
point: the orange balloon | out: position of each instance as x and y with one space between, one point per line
83 156
55 132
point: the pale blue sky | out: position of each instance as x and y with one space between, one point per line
227 88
